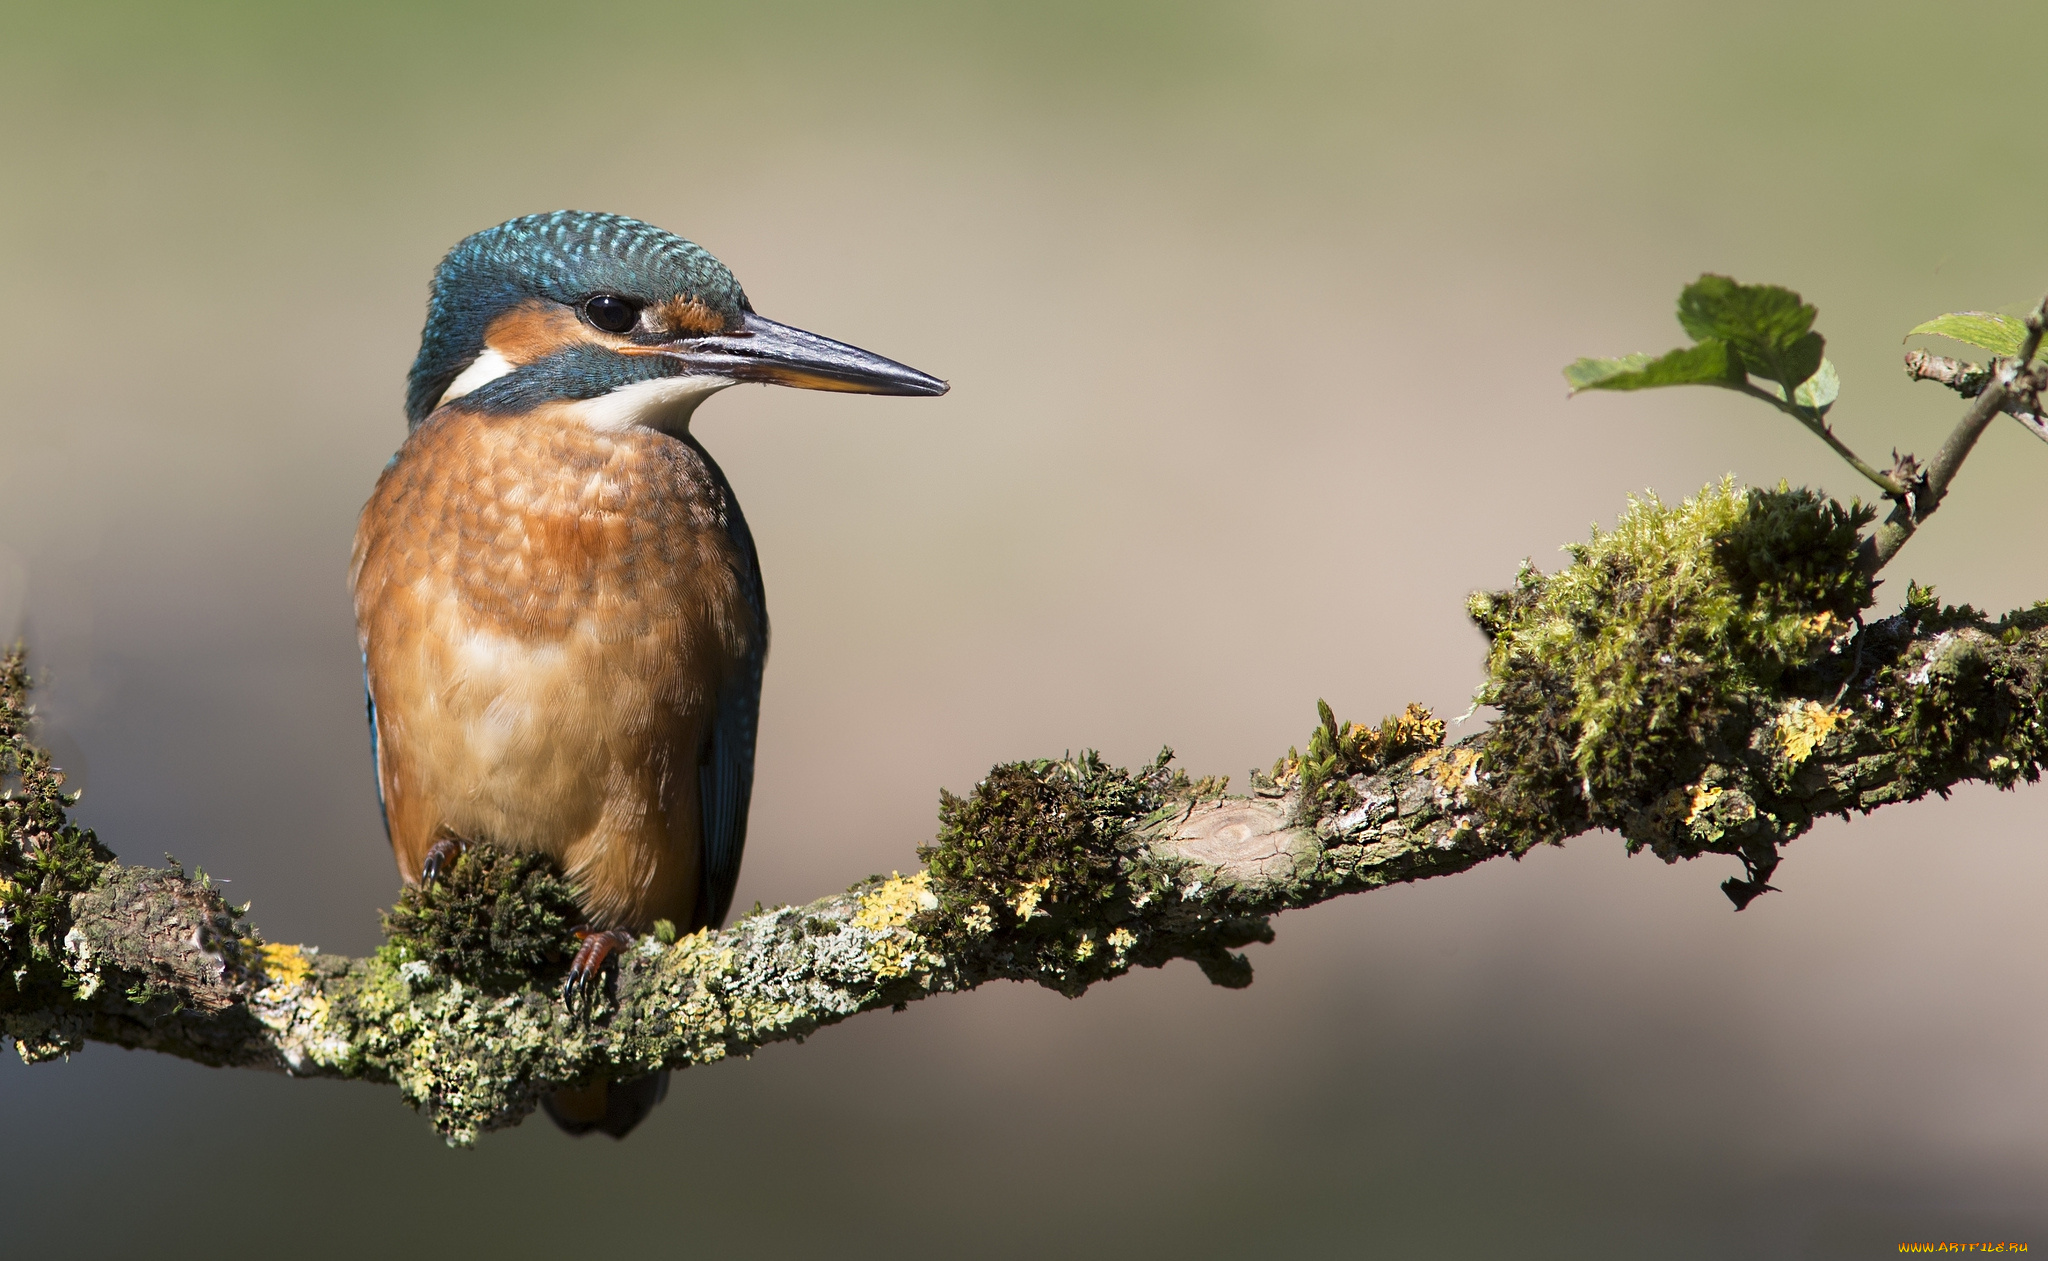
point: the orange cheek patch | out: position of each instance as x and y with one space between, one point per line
684 317
535 330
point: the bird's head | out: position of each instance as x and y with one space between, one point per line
625 322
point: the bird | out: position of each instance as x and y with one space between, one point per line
558 602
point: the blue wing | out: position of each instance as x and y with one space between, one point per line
725 782
376 765
725 773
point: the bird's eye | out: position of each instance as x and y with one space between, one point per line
611 313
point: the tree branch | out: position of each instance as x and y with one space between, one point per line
1062 873
1969 380
2018 381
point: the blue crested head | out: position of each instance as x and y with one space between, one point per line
564 257
577 306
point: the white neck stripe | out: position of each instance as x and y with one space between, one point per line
489 366
660 403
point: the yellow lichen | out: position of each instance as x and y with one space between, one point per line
889 959
314 1010
1026 901
1416 725
1084 949
1121 940
979 920
1703 799
1449 768
886 912
893 902
692 954
281 964
1802 729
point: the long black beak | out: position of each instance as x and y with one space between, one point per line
763 350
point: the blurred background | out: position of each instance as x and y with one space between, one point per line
1254 315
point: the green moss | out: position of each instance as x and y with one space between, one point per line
1036 843
494 919
1623 678
1337 751
44 857
1973 706
1043 856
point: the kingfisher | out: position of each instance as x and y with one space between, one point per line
558 601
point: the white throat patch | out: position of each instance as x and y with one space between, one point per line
663 403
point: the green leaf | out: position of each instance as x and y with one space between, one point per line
1986 330
1818 391
1769 326
1708 363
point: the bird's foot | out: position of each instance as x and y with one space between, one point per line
441 856
586 971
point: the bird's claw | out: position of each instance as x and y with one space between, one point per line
586 971
441 856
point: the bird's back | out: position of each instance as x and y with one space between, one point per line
560 627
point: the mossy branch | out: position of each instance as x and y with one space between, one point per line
1698 679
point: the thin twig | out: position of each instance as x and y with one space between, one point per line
1812 420
1966 379
1969 380
2010 379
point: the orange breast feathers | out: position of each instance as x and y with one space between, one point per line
547 613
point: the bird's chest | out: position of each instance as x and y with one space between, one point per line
527 588
538 529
